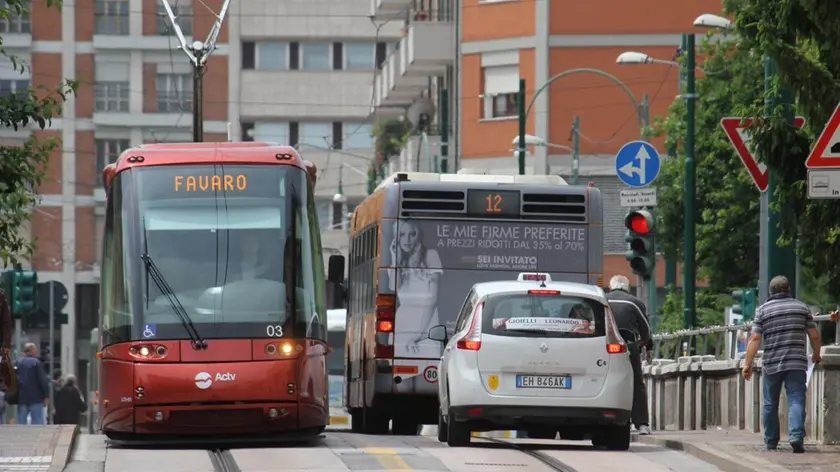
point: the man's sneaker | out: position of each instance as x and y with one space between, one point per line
798 447
644 430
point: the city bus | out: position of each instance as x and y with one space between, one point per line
418 243
213 308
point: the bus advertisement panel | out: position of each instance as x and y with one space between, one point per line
430 265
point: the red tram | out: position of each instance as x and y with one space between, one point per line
213 309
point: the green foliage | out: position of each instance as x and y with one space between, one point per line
802 37
727 201
22 167
390 136
710 310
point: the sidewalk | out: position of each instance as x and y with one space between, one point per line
36 448
741 451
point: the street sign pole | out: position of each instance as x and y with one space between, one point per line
50 360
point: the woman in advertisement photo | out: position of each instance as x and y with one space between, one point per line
416 280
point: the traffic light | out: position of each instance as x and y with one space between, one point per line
641 254
23 292
746 303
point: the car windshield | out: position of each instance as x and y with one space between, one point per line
238 245
543 313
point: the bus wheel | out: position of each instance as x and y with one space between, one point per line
356 420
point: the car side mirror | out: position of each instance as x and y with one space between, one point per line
438 333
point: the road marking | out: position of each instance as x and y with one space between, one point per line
389 459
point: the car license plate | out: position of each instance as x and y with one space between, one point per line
544 381
339 420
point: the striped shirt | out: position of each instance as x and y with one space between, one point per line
783 321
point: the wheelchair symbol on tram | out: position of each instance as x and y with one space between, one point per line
149 331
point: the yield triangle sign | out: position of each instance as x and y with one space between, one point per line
736 130
826 153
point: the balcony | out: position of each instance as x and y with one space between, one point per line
427 48
388 9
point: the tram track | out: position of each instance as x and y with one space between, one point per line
223 460
533 451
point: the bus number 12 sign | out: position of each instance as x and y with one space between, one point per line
493 203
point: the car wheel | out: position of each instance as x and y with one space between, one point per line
458 434
443 432
542 433
618 438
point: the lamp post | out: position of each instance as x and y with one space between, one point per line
690 246
773 260
531 140
524 111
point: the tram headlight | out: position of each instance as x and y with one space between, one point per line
270 349
144 351
286 349
272 413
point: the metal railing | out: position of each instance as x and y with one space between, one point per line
718 341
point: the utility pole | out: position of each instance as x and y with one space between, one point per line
576 150
444 131
522 117
778 260
198 52
689 249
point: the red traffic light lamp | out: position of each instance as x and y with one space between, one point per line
641 254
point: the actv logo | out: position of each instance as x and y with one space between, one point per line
204 380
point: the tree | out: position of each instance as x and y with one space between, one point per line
22 168
802 36
727 200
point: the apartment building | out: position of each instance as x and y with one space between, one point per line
297 72
479 49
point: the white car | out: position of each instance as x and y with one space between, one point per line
535 355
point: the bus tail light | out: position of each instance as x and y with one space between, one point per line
472 340
386 306
615 343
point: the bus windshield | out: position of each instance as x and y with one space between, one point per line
239 246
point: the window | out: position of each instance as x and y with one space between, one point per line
501 88
359 56
182 15
107 152
174 93
545 315
15 24
357 137
272 56
112 96
315 134
11 87
502 106
316 56
111 17
271 132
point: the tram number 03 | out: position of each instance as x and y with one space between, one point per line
274 331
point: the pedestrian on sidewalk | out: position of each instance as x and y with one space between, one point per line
630 313
33 387
783 322
69 402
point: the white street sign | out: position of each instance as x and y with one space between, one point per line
823 184
638 197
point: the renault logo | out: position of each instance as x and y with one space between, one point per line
544 347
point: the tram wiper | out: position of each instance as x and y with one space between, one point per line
152 270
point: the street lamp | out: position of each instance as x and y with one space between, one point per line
707 20
531 140
633 57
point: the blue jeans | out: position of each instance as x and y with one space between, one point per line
794 381
35 412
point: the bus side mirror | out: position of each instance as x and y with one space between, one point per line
438 333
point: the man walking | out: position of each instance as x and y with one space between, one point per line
33 387
784 322
631 314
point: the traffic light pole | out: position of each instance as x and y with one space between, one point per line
522 118
51 359
689 273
